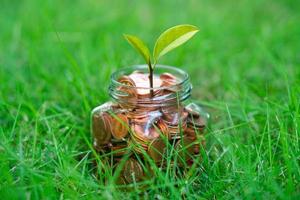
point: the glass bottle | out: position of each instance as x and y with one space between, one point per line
144 123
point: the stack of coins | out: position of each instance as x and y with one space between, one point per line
136 125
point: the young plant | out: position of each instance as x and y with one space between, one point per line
167 41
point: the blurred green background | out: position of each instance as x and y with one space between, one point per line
55 61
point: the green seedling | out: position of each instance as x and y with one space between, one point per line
167 41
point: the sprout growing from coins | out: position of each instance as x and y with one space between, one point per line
147 117
167 41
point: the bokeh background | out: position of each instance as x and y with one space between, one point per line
56 58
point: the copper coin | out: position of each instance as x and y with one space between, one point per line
198 122
144 133
143 111
119 126
156 149
127 92
196 148
141 120
120 180
133 171
174 115
127 80
149 118
138 146
168 79
100 130
142 83
119 149
185 148
163 127
190 132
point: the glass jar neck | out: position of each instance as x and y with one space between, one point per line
130 86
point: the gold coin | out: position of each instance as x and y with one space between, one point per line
156 150
133 171
119 126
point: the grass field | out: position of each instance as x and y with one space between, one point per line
56 58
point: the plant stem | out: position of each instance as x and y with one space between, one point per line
151 79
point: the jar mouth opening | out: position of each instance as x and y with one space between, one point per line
182 76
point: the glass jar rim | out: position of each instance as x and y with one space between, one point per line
115 76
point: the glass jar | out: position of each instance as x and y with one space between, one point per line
145 124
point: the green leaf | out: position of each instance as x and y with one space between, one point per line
172 38
139 45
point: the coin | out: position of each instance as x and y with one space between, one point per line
100 130
126 80
156 149
185 148
133 171
119 126
170 82
163 128
119 149
144 133
175 119
141 120
198 122
121 180
127 93
190 132
168 79
143 85
173 115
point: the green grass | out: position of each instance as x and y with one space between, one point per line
55 61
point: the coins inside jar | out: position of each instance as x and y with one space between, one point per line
156 150
100 130
143 124
119 126
119 149
170 82
142 84
186 149
133 171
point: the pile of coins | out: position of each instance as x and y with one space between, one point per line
147 125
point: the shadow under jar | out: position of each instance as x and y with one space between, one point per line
148 127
